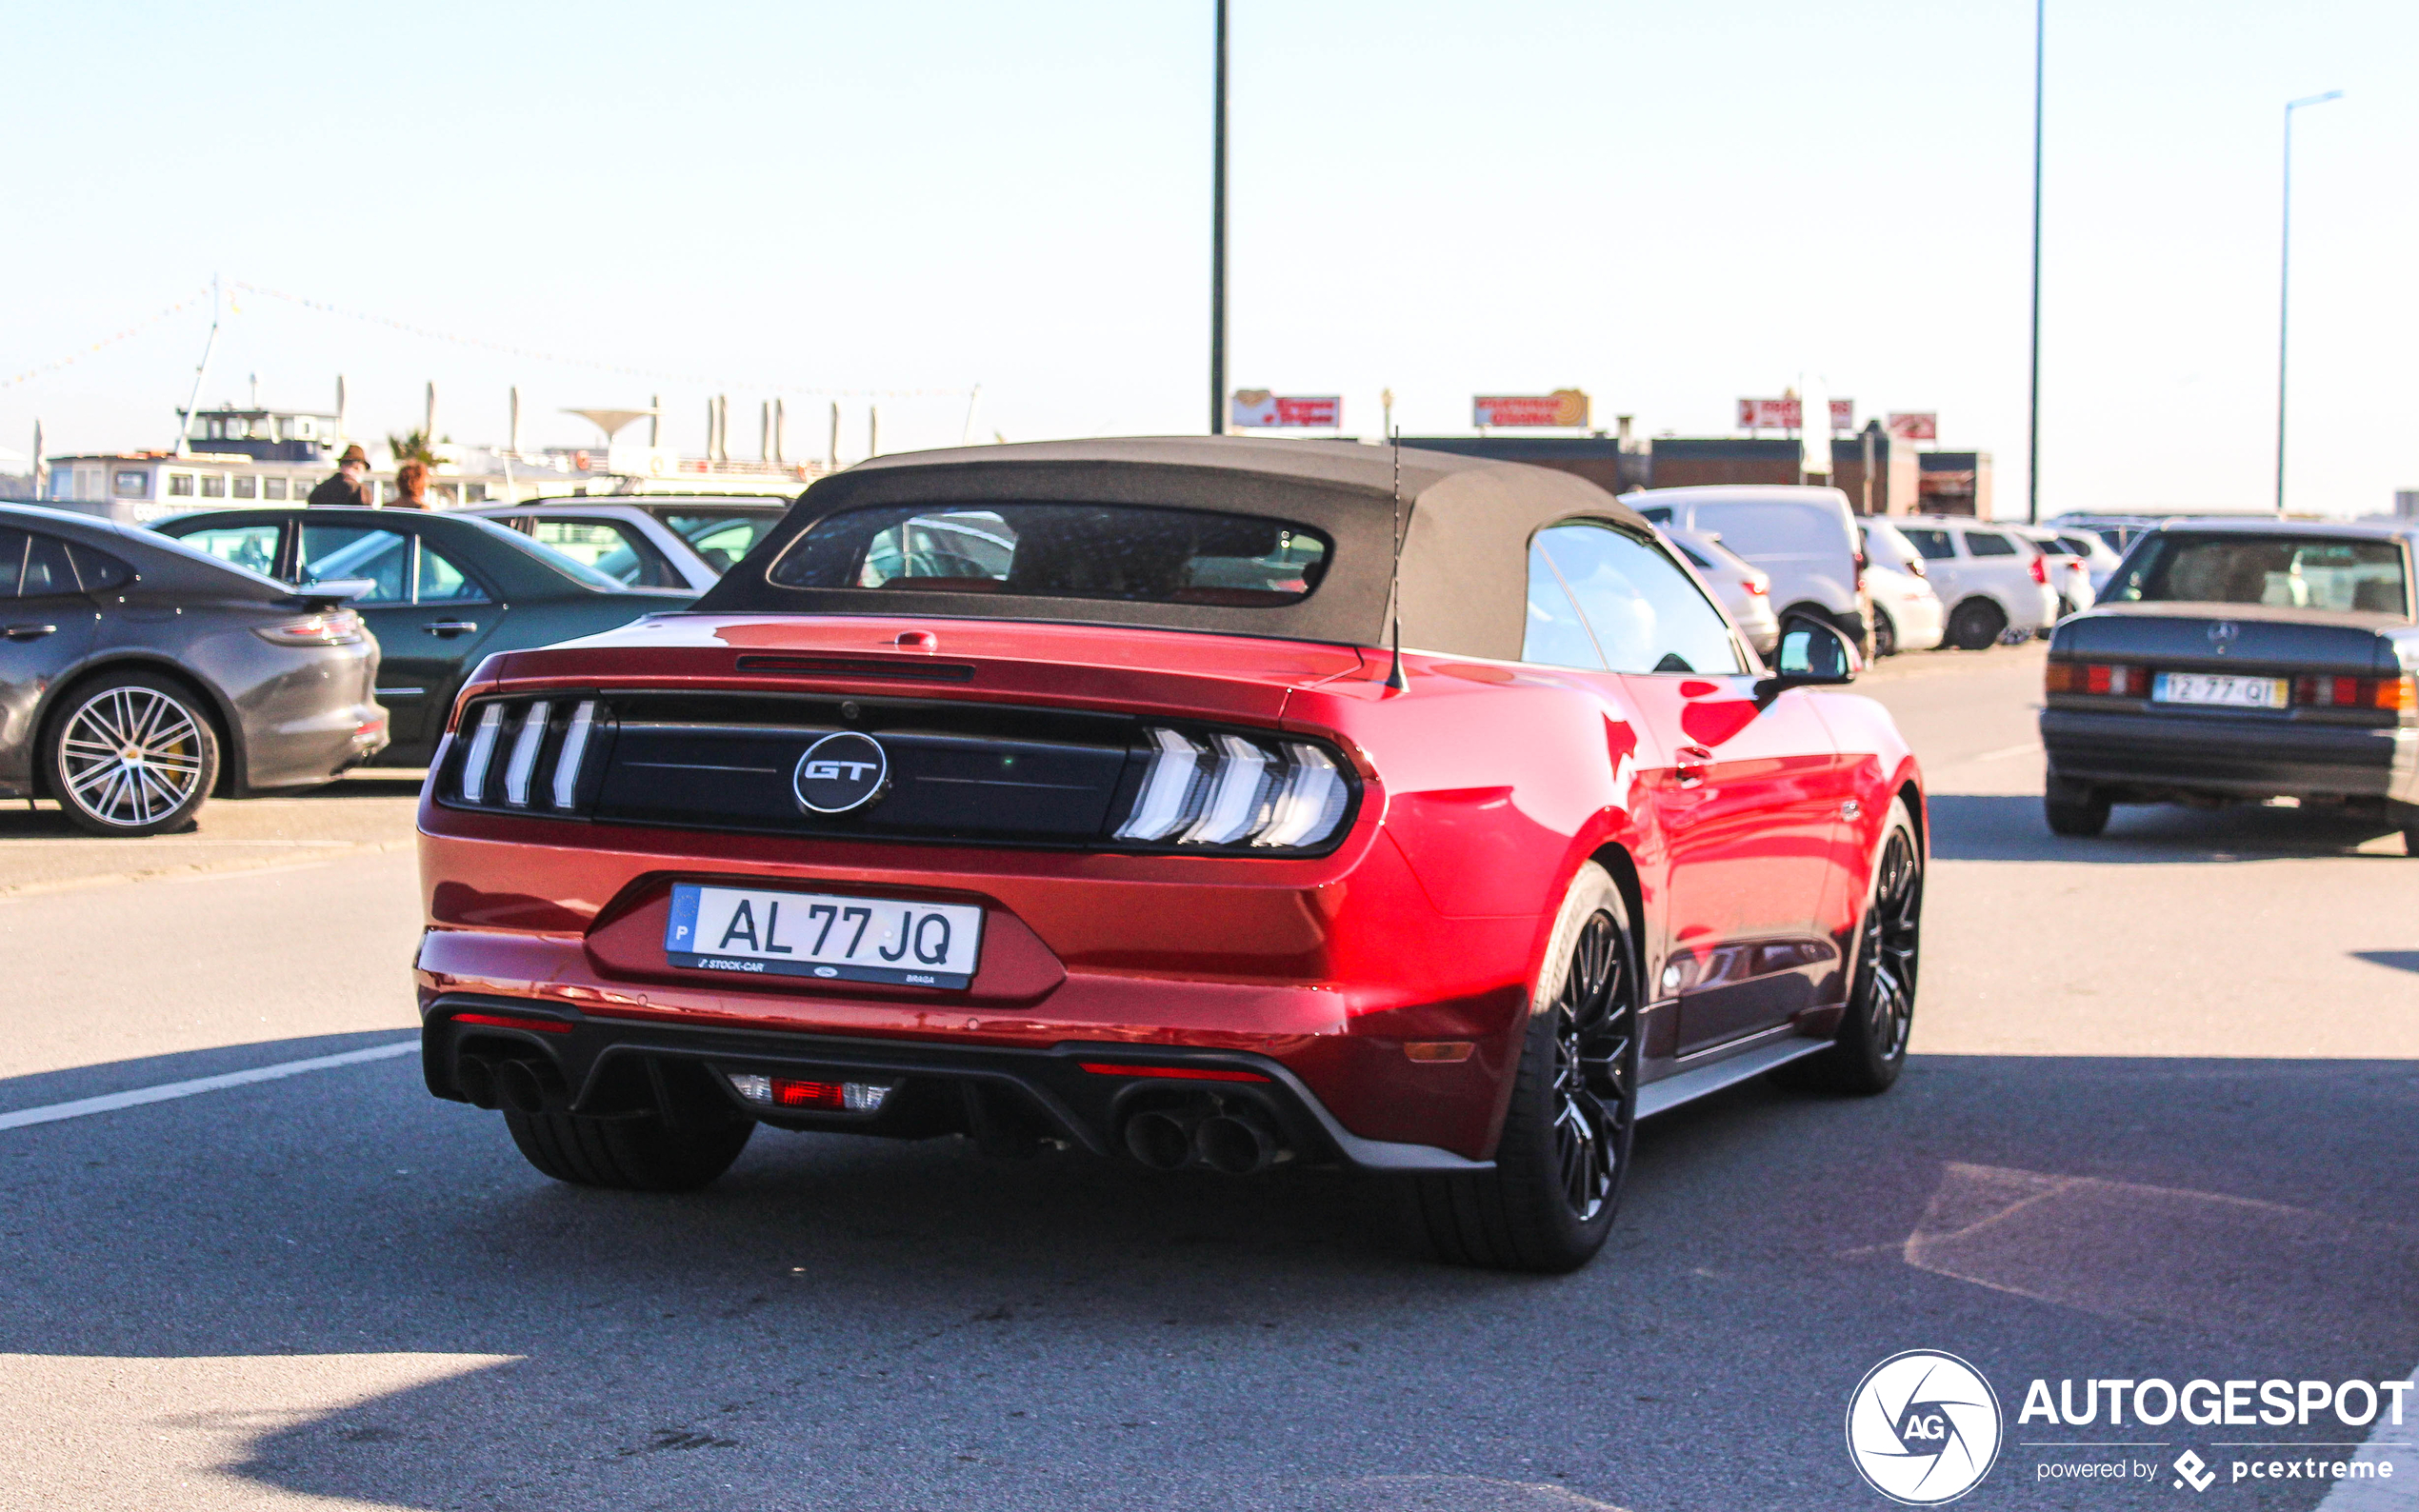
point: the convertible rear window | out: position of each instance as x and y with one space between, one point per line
1061 551
2292 571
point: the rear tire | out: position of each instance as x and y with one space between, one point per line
130 755
2076 809
630 1155
1885 634
1976 626
1564 1156
1871 1049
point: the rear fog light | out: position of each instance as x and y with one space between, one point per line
829 1097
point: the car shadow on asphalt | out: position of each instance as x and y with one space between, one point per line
1970 827
858 1322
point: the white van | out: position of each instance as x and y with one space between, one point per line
1805 538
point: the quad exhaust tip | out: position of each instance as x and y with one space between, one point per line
525 1086
1238 1141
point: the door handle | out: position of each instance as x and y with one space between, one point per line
450 629
1691 763
29 632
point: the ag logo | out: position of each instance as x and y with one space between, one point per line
839 773
1923 1427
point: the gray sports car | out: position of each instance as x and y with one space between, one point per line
139 675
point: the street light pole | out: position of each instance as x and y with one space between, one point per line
2284 280
1218 240
2032 421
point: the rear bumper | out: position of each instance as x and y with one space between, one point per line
1008 1095
2162 752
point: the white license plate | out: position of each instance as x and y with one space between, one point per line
2220 688
812 934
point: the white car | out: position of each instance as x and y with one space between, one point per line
1995 585
1805 538
1907 613
2099 559
2070 567
1745 589
657 541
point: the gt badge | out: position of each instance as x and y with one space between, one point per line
841 773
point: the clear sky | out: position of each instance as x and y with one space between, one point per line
1670 205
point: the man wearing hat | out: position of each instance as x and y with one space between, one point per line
348 488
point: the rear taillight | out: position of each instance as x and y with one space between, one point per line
1757 585
1914 567
524 754
2040 570
1229 790
2109 679
2395 695
328 628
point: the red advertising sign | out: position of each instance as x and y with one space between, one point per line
1564 406
1258 409
1923 425
1784 415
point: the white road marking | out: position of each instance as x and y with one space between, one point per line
2401 1494
170 1091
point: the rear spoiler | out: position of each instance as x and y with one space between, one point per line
332 592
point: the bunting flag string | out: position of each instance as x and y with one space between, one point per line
135 329
509 350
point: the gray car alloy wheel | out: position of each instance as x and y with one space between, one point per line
131 757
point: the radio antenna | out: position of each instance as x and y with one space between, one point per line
1395 678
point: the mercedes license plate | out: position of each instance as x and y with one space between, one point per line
822 935
2220 688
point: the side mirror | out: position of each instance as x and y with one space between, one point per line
1813 653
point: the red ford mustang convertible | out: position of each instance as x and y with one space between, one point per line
1077 795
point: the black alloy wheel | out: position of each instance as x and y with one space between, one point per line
1976 626
1885 634
1871 1049
1563 1155
1595 1070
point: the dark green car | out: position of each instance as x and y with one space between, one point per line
446 591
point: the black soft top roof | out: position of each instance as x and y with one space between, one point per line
1467 520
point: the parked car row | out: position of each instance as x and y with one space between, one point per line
240 651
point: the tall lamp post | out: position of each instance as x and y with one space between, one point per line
1218 240
2033 408
2284 279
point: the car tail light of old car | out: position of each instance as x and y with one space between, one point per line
1223 789
2040 568
328 628
2393 694
544 746
2114 679
1759 585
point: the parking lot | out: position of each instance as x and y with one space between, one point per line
2157 1124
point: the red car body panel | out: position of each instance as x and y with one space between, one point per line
1747 831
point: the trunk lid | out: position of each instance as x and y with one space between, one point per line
2203 636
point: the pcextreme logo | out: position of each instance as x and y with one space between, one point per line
1923 1427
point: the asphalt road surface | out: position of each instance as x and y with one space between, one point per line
2160 1125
